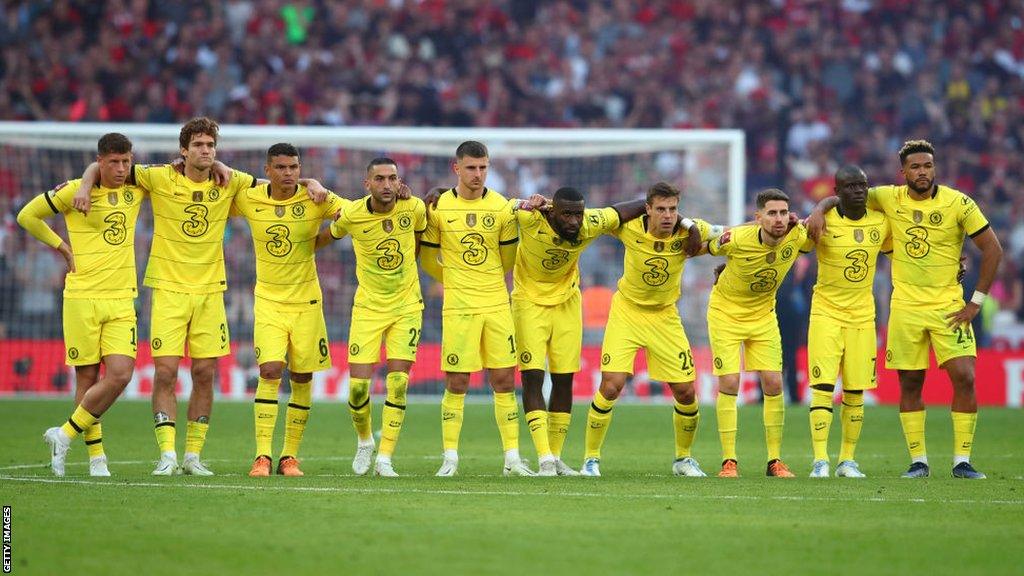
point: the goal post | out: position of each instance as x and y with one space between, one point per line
607 165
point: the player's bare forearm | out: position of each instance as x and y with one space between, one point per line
323 239
816 221
82 201
432 196
316 191
630 209
991 254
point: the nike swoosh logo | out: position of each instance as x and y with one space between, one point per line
368 230
259 209
452 220
639 241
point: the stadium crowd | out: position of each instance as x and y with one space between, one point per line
813 85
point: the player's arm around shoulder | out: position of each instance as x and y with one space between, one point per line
32 218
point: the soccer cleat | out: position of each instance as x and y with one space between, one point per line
564 469
192 465
289 466
730 469
98 467
848 469
687 467
965 470
363 459
517 468
167 466
778 469
917 470
261 467
591 467
820 469
548 467
449 466
59 446
384 469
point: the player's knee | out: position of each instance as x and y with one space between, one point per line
830 388
271 371
358 391
164 376
120 376
397 391
685 394
961 374
300 377
911 381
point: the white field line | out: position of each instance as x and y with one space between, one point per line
449 492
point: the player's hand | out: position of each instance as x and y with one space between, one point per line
178 164
964 315
793 220
82 201
221 173
404 192
693 242
535 202
69 257
815 224
962 271
718 272
431 198
316 192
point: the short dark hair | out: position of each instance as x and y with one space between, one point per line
915 146
282 149
768 194
381 161
471 148
568 194
113 143
196 126
662 190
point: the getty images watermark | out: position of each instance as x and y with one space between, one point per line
7 539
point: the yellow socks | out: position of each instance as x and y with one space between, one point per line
599 418
852 415
913 431
94 440
394 412
558 429
506 414
297 415
453 407
164 429
774 416
80 420
684 420
725 409
537 422
265 413
963 435
359 407
821 420
195 435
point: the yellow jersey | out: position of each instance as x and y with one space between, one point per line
653 267
746 289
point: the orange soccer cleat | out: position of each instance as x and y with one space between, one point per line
261 467
730 469
778 469
288 466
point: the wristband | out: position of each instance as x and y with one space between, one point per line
978 298
686 223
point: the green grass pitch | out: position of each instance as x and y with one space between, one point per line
637 519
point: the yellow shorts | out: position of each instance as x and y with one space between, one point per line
295 332
400 334
94 328
911 332
199 317
832 346
659 331
470 342
555 332
760 339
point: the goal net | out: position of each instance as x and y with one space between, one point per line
608 166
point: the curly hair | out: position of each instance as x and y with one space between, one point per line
197 126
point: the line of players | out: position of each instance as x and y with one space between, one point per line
468 241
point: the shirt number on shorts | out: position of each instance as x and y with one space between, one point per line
117 232
279 245
858 268
963 334
322 345
197 224
414 337
475 253
687 357
392 257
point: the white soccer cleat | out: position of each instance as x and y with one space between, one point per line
591 467
59 445
449 466
517 468
363 458
548 467
687 467
849 469
820 469
564 469
98 467
192 465
384 469
167 466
